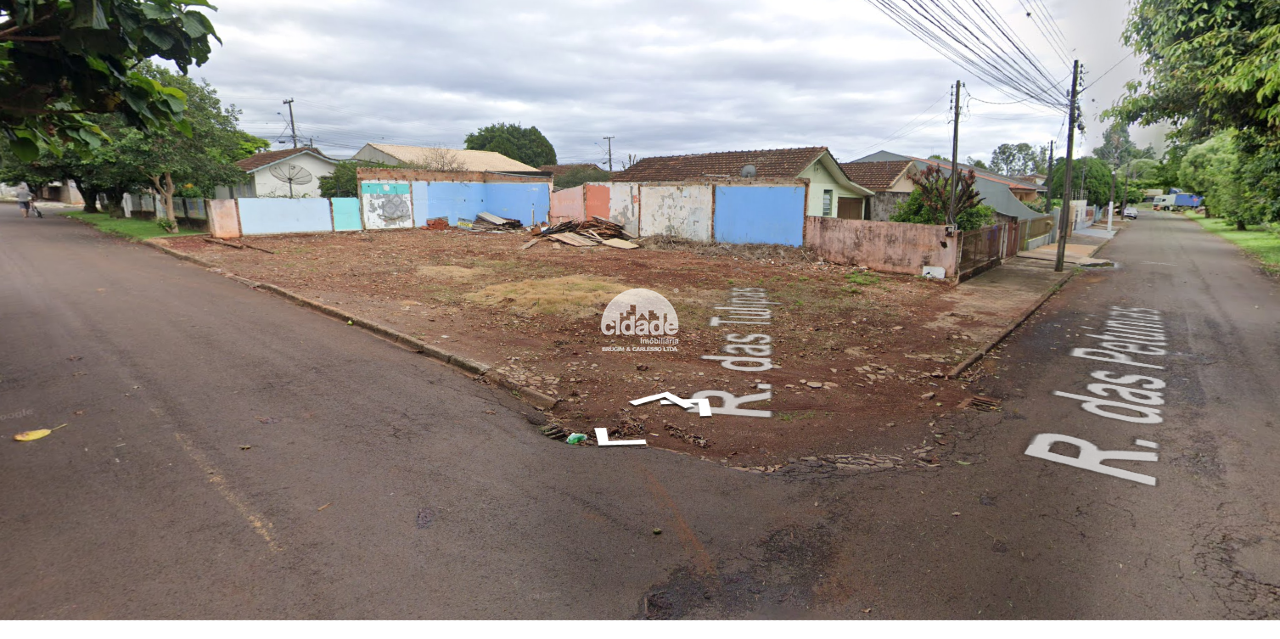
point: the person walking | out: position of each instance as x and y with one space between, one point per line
24 199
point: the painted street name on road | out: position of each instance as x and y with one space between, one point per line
1129 333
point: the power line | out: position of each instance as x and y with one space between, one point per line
892 137
1113 68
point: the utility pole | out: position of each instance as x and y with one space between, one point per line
1064 220
1048 181
293 130
952 214
610 139
1124 197
1111 202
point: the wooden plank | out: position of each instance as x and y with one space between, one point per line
622 244
528 244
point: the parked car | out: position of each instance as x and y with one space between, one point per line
1130 213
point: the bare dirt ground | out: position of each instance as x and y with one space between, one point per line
875 346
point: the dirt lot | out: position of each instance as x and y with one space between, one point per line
861 338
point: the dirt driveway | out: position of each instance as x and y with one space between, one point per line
856 367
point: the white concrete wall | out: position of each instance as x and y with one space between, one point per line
682 211
624 206
266 185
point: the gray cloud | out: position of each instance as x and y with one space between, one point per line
664 77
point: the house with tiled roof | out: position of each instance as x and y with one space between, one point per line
830 193
1007 195
890 180
441 159
296 173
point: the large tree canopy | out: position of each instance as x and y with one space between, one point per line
1019 159
1117 148
526 145
61 60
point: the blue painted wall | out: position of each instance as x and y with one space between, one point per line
421 205
529 203
760 215
455 200
262 216
346 214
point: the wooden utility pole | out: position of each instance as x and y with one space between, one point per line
610 139
1064 220
952 213
1048 182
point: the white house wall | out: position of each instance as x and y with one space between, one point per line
682 211
266 185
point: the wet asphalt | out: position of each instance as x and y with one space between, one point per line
230 455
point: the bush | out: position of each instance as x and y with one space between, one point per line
914 211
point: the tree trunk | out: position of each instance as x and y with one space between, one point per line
166 189
90 196
1240 225
115 201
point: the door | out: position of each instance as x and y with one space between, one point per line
849 208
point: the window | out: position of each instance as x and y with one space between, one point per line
827 196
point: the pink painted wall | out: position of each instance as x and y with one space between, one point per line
567 204
596 200
891 247
224 218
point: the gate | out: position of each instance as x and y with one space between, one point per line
979 250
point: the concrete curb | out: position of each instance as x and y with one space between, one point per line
531 396
982 352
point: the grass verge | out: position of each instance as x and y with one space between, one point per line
130 228
1261 243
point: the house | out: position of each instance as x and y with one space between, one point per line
440 159
286 173
830 193
890 180
1008 196
1035 178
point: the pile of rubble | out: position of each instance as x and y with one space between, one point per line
594 231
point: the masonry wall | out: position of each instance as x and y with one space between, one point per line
759 215
885 204
624 206
892 247
568 204
269 216
680 211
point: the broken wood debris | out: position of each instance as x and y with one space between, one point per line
528 244
212 240
620 243
572 239
489 221
979 402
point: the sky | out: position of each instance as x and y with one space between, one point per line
663 77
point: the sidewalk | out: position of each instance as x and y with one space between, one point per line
988 307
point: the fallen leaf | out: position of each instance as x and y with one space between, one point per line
245 447
32 435
964 463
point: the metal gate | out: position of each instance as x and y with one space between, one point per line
979 250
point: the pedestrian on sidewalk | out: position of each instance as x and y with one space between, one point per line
24 199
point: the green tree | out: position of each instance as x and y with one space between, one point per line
1214 169
928 204
169 158
343 182
61 60
1211 67
1018 159
1117 148
581 175
976 163
526 145
1093 177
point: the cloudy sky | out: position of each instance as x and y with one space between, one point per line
662 76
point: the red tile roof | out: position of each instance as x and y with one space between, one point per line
771 163
877 176
270 157
1012 183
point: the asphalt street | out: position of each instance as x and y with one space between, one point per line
230 455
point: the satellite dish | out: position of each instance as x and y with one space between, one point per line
749 171
291 174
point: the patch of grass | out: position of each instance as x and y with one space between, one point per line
130 228
1259 242
857 280
574 296
788 416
